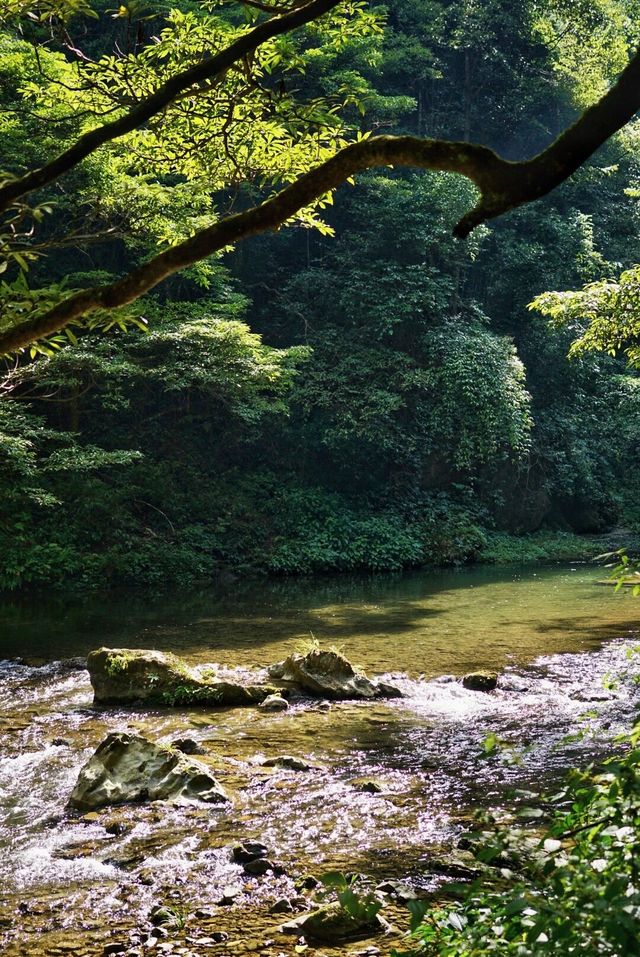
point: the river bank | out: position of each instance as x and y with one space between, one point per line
92 573
76 885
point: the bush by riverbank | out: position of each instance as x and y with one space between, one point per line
543 546
288 537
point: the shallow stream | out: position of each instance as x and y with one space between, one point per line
70 885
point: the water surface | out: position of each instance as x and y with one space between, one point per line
420 622
560 641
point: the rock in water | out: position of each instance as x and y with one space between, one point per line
128 767
249 851
480 681
188 746
367 786
287 762
332 924
121 675
274 702
331 675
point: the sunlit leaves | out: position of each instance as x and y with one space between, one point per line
577 893
42 11
19 302
590 41
604 316
223 143
247 128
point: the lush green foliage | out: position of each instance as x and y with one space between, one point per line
604 316
394 403
577 886
545 546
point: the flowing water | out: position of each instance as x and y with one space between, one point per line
561 644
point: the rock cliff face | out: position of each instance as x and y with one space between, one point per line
125 676
127 768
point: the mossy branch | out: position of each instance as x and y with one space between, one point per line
502 184
209 69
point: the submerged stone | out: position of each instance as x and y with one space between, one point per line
230 893
398 890
331 675
188 746
331 924
307 883
160 915
261 866
286 762
462 866
74 664
125 676
282 906
274 702
480 681
367 786
128 768
248 851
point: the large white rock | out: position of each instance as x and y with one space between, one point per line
127 768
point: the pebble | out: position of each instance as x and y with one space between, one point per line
230 893
261 866
282 906
204 913
249 851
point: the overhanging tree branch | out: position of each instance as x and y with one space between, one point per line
207 70
503 185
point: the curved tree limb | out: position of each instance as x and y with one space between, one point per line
207 70
503 185
539 175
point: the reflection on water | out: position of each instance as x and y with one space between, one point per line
435 622
546 630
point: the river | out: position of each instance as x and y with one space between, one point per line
70 885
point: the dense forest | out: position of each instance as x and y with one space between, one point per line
294 287
360 390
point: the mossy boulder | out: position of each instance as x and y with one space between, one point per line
480 681
128 768
331 675
125 676
332 924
